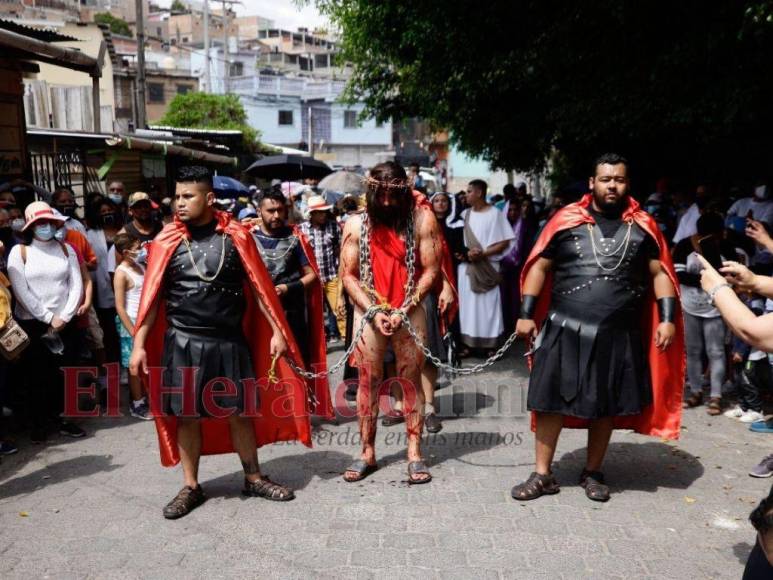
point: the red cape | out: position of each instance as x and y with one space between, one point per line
317 343
284 412
663 417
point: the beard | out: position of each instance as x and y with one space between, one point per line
392 216
610 207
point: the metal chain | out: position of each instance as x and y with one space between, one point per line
366 280
464 371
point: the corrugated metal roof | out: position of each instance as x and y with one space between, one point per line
191 131
43 34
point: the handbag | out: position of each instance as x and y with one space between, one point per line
13 340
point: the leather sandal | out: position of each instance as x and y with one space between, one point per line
361 469
535 486
714 406
694 400
433 424
593 482
186 500
267 489
418 468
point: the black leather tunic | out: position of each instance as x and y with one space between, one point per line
207 308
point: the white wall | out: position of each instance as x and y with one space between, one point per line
367 133
263 115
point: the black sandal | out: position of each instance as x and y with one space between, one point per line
433 424
362 470
535 486
593 482
267 489
390 420
418 468
186 500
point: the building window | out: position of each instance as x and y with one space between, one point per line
236 69
285 117
183 89
185 39
158 31
350 119
155 93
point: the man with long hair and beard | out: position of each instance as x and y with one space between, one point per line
390 259
610 353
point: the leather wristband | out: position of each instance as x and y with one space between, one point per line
667 309
528 306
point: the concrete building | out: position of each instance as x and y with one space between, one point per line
300 53
250 26
298 112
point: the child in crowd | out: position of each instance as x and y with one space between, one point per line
752 372
127 284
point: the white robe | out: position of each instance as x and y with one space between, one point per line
480 315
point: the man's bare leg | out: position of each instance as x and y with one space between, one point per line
599 434
548 429
189 442
410 361
369 355
428 380
243 437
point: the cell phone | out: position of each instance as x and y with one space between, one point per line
750 214
710 250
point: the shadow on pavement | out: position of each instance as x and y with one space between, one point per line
296 471
58 472
636 466
742 550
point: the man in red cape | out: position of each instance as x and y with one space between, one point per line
382 282
600 298
209 332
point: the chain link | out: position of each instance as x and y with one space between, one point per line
366 281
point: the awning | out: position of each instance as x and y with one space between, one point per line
23 44
165 149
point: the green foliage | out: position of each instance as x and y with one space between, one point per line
117 25
681 87
179 6
205 111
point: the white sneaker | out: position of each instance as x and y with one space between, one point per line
751 417
734 413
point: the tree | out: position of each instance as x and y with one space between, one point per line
206 111
680 87
178 6
117 25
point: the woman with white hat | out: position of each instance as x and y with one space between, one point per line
46 281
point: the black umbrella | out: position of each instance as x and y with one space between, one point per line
288 168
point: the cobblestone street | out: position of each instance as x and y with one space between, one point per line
92 508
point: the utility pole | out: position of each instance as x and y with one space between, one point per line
311 136
207 80
227 63
140 25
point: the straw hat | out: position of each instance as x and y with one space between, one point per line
40 210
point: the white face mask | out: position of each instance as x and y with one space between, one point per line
17 224
761 192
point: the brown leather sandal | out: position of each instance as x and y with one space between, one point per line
267 489
694 400
715 406
536 486
186 500
593 482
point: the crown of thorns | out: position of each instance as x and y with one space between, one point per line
396 183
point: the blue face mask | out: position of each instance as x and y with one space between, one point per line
45 232
142 256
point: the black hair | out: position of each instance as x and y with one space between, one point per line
710 223
762 516
94 216
195 174
273 195
389 177
480 185
509 191
124 241
609 159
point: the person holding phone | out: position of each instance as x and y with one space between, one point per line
704 328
